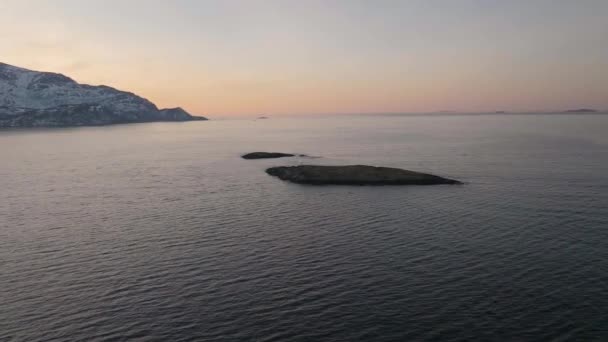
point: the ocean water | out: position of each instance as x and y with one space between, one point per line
160 232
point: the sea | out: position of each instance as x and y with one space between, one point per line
161 232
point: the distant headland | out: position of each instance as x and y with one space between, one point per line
43 99
581 110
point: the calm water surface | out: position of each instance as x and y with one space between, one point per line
160 232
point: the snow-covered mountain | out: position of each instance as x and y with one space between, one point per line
44 99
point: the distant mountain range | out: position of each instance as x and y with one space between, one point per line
44 99
581 110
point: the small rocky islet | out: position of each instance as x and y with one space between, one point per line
346 174
269 155
355 175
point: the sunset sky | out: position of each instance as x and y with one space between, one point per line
295 57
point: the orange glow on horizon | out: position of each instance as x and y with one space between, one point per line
270 59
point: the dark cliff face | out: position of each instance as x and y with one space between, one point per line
44 99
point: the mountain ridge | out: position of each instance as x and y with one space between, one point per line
31 98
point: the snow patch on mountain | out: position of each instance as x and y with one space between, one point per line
52 99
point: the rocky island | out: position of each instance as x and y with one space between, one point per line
44 99
268 155
355 175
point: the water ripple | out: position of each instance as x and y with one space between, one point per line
186 242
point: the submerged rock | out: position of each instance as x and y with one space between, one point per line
355 175
266 155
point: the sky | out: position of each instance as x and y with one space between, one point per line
273 57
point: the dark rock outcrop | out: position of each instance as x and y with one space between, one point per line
355 175
177 114
266 155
